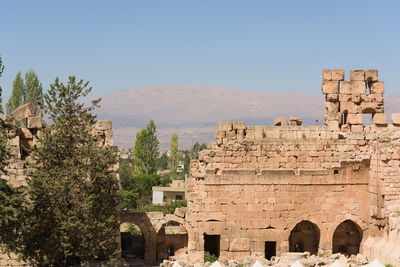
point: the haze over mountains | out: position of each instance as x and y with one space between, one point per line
193 111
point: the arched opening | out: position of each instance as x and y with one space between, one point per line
132 242
172 241
304 237
347 238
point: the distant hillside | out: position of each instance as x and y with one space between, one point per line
193 111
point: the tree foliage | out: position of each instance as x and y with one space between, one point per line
146 150
24 91
33 89
173 155
1 91
71 212
17 94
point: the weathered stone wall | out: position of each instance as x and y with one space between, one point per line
256 183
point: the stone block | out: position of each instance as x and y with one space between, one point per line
180 212
349 107
280 121
238 125
295 121
23 112
357 75
371 75
26 133
239 244
395 118
219 135
224 126
355 119
377 87
333 74
331 107
104 124
379 119
34 122
357 128
330 87
352 87
332 97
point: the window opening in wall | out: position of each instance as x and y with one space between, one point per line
368 92
270 249
367 119
212 244
178 197
344 118
335 171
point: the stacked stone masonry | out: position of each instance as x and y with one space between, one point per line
331 188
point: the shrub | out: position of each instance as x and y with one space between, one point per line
210 257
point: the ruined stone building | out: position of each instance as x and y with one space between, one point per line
264 190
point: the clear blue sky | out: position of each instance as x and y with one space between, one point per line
255 45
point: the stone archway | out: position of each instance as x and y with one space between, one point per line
304 237
172 240
347 238
132 242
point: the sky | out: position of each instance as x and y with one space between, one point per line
275 46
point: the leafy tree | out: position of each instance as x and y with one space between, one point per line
17 94
1 73
173 155
146 150
126 174
33 89
192 153
163 161
71 214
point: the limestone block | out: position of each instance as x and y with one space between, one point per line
356 98
377 87
14 141
238 125
395 118
357 75
355 119
379 119
231 134
332 97
349 107
353 87
104 124
224 126
357 128
295 121
330 87
331 107
371 75
371 107
333 74
34 122
259 132
345 97
26 133
219 135
280 121
239 244
23 111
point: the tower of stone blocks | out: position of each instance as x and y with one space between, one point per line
347 101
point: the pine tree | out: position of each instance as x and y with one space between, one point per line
17 95
71 215
11 198
33 89
146 150
173 155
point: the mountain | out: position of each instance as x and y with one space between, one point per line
193 111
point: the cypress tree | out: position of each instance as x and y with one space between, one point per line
71 214
33 89
173 155
146 150
17 95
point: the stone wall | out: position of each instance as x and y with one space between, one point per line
283 183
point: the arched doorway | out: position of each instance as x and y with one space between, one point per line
172 240
304 237
347 238
132 242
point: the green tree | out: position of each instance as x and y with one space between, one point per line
173 155
33 89
145 152
1 91
17 94
71 215
163 161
